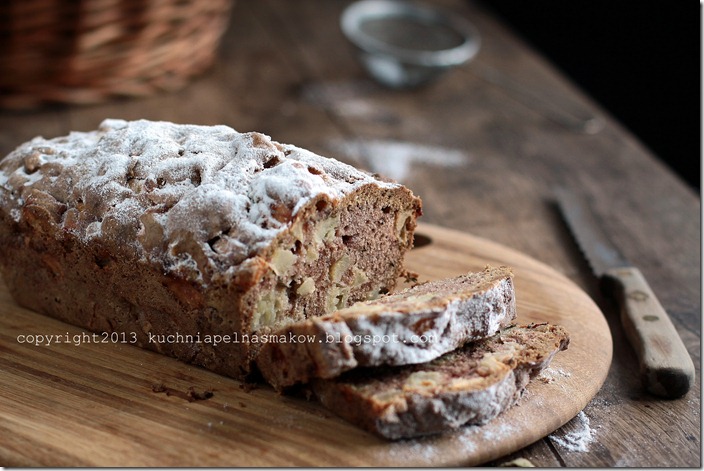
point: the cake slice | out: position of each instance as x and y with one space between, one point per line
415 325
176 234
471 385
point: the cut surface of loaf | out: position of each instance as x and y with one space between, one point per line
415 325
172 231
471 385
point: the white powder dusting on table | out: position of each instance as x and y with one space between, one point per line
576 435
394 159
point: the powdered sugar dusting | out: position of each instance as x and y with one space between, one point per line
421 451
550 375
395 158
139 184
464 441
576 435
499 431
553 375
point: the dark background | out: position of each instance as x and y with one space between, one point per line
639 60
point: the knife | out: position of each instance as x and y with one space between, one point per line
665 364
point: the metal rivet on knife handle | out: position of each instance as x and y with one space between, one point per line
666 365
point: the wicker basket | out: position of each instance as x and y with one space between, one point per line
84 51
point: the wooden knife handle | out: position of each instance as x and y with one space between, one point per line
665 364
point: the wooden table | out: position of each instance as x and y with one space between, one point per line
482 146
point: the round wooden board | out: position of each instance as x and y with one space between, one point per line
95 403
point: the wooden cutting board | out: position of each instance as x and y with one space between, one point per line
111 404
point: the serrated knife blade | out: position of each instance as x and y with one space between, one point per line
601 255
665 363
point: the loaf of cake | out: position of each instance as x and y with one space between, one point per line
415 325
176 234
471 385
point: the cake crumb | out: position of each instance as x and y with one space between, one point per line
410 277
190 395
194 395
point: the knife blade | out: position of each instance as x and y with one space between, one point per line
666 366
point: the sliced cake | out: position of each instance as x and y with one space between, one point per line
413 326
471 385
